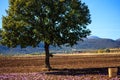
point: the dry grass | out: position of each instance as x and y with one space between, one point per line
36 63
74 66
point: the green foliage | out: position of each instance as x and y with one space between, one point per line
56 22
107 50
104 50
51 55
0 32
101 51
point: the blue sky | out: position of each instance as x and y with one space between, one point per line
105 15
3 7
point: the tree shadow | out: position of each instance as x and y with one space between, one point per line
73 72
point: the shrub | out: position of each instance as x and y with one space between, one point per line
100 51
51 54
107 50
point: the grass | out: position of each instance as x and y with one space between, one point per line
63 65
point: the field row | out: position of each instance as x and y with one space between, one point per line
36 63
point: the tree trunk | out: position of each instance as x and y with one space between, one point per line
47 57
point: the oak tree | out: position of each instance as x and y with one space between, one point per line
54 22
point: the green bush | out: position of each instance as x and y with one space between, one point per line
51 54
107 50
100 51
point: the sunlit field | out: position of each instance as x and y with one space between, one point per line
86 66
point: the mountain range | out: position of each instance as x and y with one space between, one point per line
91 42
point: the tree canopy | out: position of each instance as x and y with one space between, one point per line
0 32
54 22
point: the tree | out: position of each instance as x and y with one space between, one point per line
54 22
0 33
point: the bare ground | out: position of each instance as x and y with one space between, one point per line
65 67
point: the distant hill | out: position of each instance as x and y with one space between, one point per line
118 40
97 44
18 49
93 37
91 42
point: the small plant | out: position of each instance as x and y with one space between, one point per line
107 50
51 54
100 51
